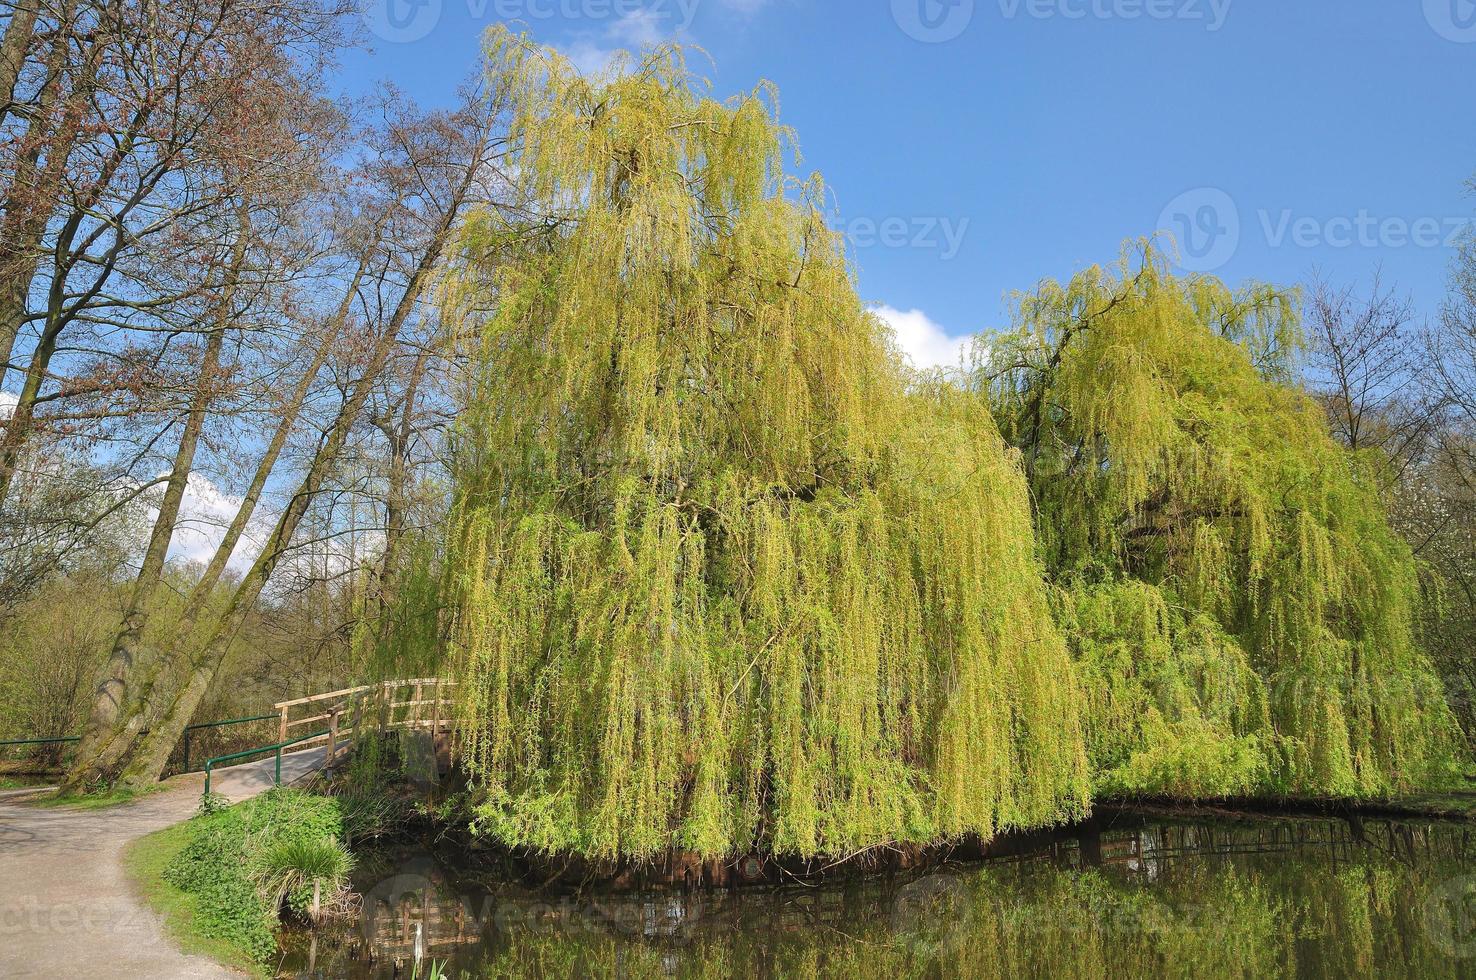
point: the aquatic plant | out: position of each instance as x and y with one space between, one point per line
723 576
1241 611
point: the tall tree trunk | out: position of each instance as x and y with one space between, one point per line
164 706
153 750
13 49
33 201
146 757
396 500
115 715
23 415
29 200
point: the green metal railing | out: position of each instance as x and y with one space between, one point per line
46 754
191 729
189 734
277 779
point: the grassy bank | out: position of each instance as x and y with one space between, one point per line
182 913
223 880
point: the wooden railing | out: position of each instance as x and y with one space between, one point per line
419 703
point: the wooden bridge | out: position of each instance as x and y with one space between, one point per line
313 731
413 705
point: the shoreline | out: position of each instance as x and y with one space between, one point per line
685 871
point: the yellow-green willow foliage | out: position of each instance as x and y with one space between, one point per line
720 581
1239 608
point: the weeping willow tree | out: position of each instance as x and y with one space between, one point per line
1240 610
721 578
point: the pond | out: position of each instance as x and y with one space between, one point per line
1130 894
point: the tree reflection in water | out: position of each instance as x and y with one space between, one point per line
1254 898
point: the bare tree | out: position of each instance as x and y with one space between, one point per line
428 169
141 123
1366 368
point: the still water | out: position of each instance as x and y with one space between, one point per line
1129 895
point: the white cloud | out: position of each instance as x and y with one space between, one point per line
644 27
204 515
640 27
630 32
925 343
207 511
8 401
589 58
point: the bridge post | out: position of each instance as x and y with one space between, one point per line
332 735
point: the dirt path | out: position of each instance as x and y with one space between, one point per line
67 908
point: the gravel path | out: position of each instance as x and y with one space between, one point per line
67 908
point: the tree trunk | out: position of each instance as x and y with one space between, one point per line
28 205
396 498
149 756
22 416
13 49
151 753
116 712
173 713
24 230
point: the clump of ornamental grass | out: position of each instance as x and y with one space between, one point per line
307 876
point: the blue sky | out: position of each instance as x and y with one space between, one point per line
976 146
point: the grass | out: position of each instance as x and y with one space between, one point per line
222 879
145 861
98 801
290 870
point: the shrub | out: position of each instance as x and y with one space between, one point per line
243 861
